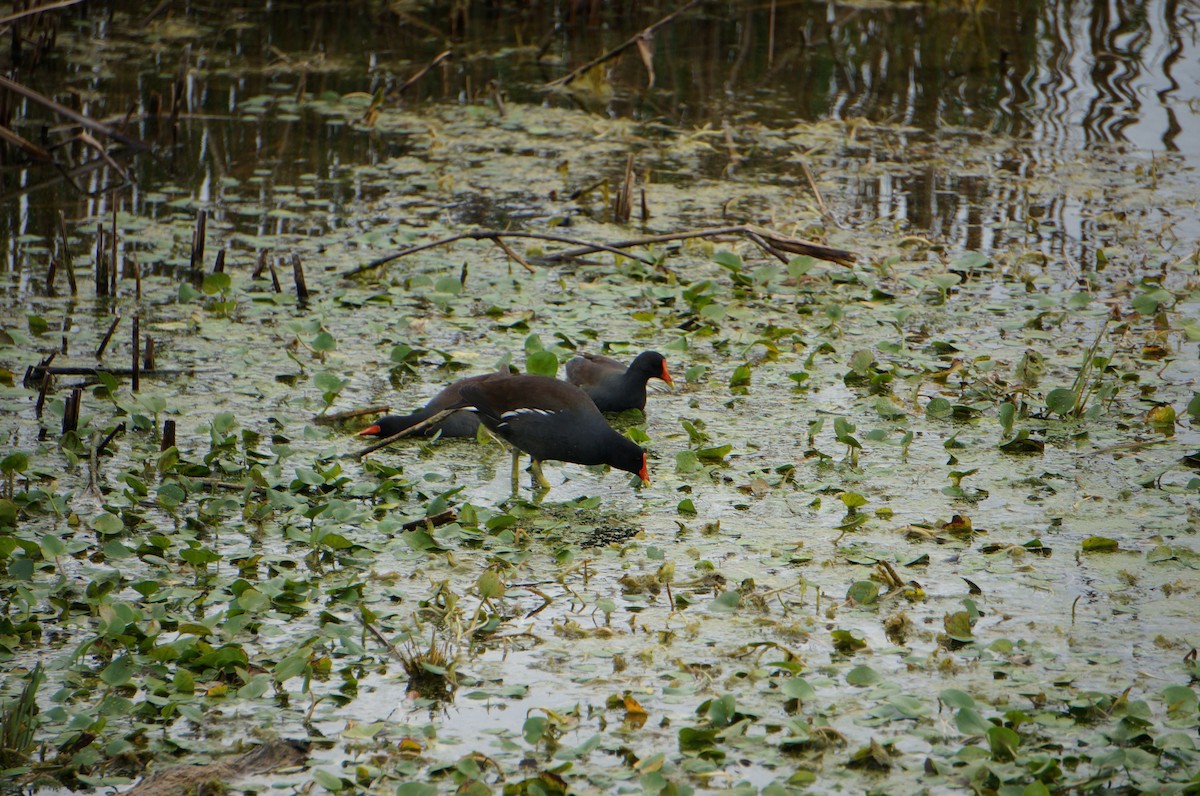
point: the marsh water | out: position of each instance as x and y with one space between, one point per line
914 525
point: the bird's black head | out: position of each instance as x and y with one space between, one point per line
627 455
652 365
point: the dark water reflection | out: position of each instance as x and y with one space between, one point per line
1053 75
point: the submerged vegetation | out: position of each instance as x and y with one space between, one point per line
923 520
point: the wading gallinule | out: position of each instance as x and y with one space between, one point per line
550 420
611 385
459 424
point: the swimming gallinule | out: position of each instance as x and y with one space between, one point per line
459 424
611 385
550 420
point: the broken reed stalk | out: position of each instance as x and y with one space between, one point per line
137 276
70 421
635 40
41 399
148 362
50 274
135 368
104 443
168 435
65 253
623 208
101 265
408 432
328 420
261 265
219 265
107 337
113 259
198 231
298 275
826 216
274 276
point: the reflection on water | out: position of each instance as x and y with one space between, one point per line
1053 75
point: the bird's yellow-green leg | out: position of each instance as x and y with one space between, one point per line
516 471
536 468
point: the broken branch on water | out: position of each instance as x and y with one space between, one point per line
408 432
774 243
492 235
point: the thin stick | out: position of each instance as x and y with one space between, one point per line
33 150
51 272
29 12
101 273
137 276
623 207
68 263
632 41
66 112
104 444
92 143
274 276
198 240
328 420
113 260
421 73
168 435
75 370
762 244
783 242
826 216
298 275
484 234
509 251
148 362
135 378
408 432
108 336
219 265
395 653
41 399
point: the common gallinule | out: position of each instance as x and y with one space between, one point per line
611 385
550 420
458 424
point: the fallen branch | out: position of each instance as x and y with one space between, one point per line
408 432
775 241
636 40
492 235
